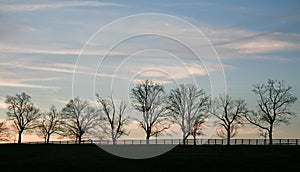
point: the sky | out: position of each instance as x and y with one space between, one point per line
55 50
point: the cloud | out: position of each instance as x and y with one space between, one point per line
15 49
229 42
64 68
21 83
258 43
232 42
178 72
55 5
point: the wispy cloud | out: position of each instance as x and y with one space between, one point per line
60 68
251 42
234 42
15 49
177 72
23 83
229 41
54 5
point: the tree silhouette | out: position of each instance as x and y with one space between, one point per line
113 117
188 106
23 113
229 113
79 119
50 123
197 128
149 98
273 106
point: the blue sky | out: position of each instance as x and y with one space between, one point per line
41 41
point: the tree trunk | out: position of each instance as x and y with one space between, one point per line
271 135
228 136
113 136
148 136
79 139
185 138
48 138
194 139
20 137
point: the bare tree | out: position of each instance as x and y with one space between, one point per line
149 98
50 123
23 113
79 118
4 132
114 117
188 105
197 128
229 113
273 107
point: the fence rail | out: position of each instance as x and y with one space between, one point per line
180 142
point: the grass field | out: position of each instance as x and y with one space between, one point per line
181 158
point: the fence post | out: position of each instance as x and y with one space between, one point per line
222 141
172 141
242 141
279 141
234 141
296 141
288 141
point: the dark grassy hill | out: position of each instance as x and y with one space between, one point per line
181 158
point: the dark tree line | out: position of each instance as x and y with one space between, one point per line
185 105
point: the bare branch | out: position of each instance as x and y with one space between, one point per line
79 118
149 98
114 118
273 106
229 113
23 113
188 105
